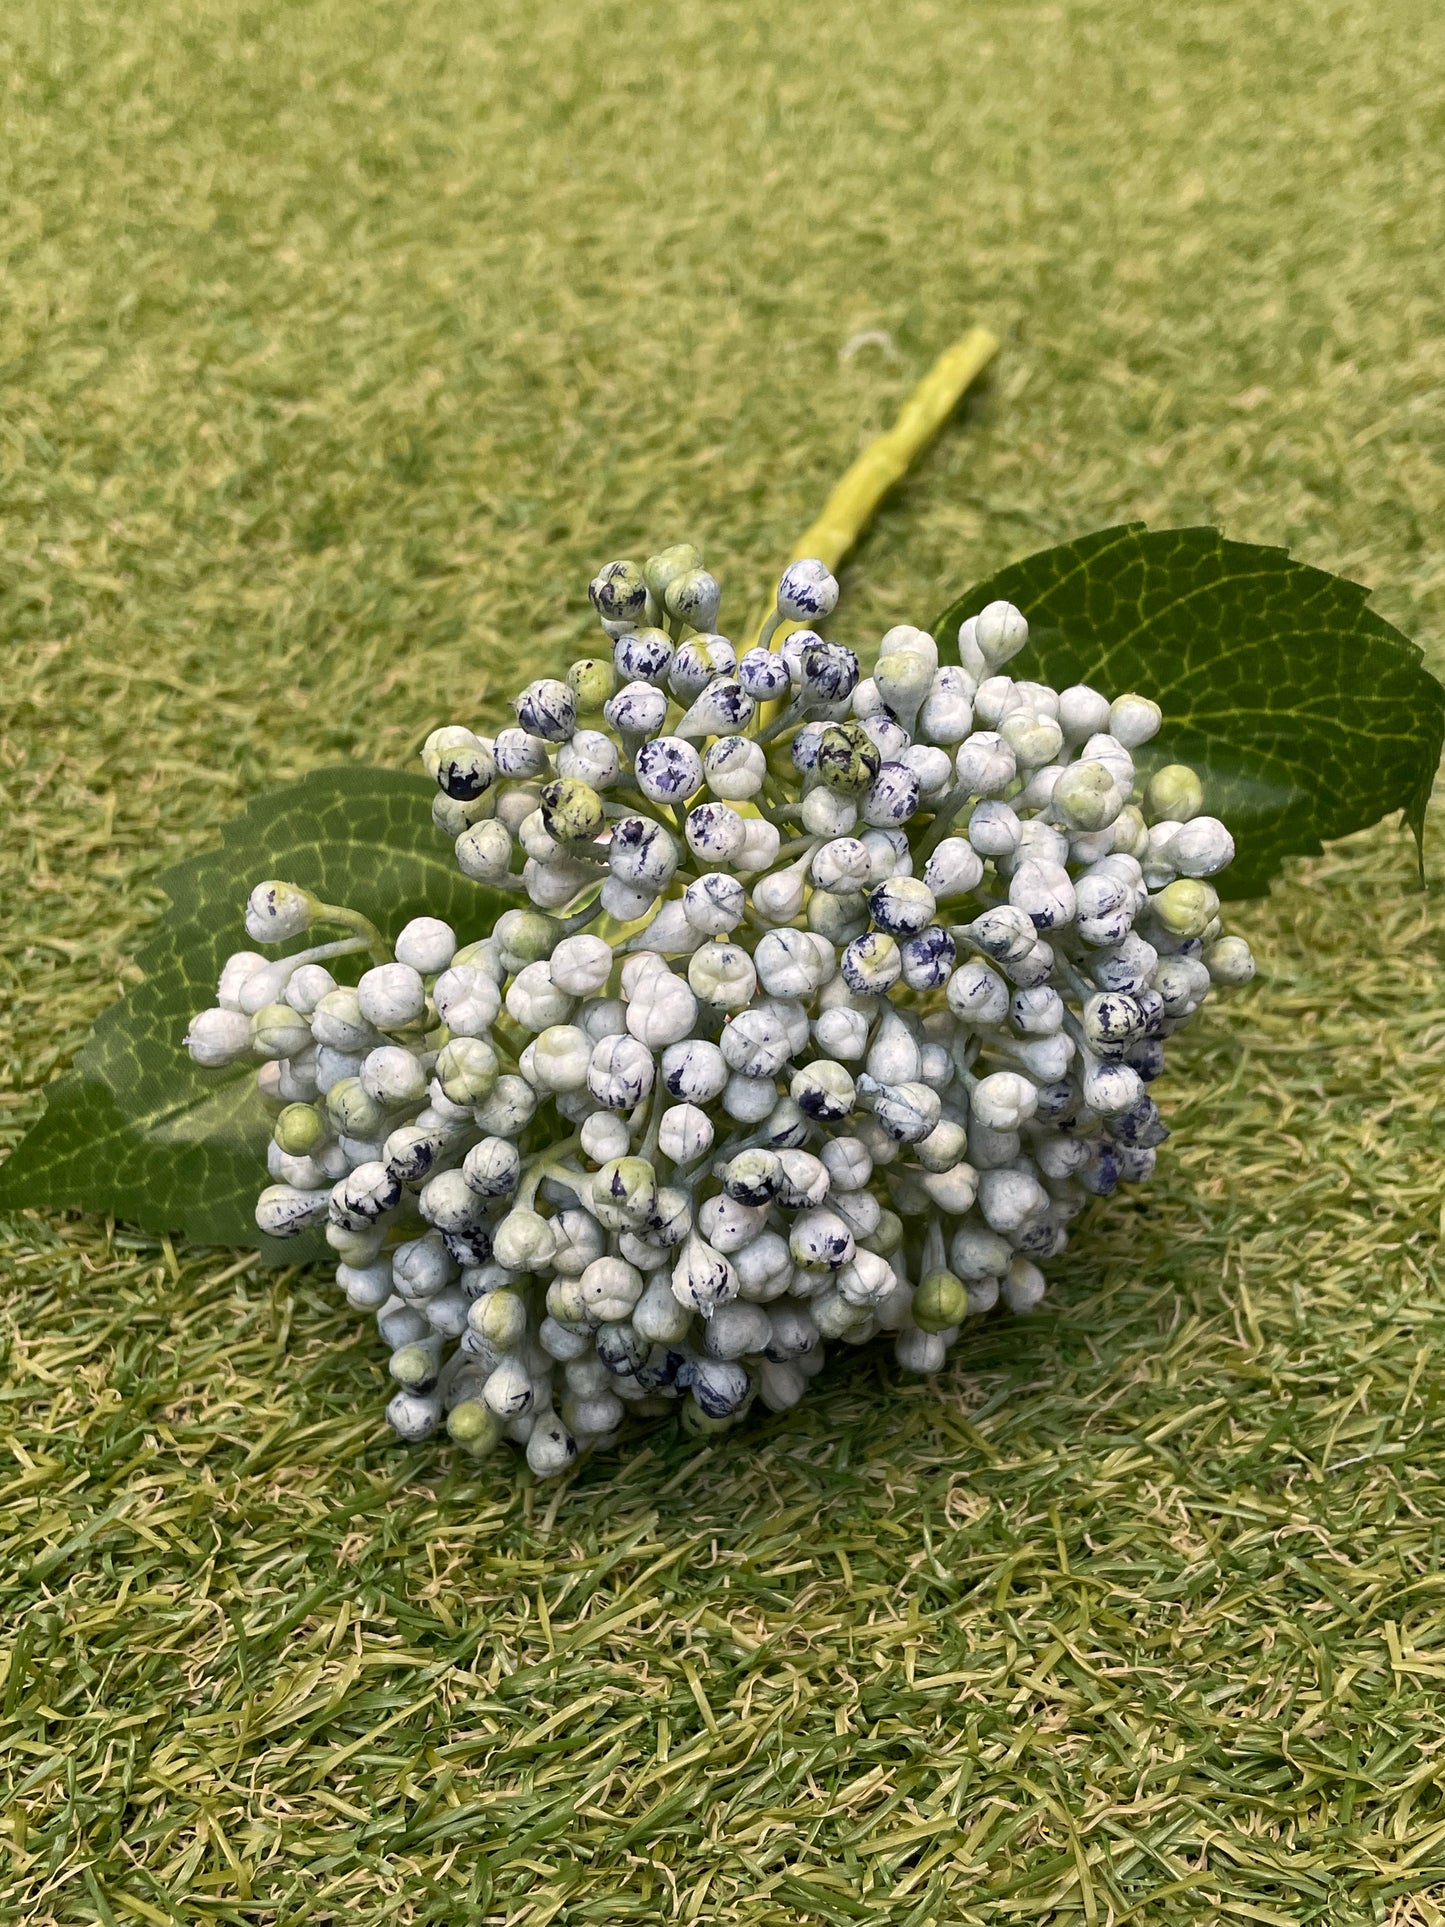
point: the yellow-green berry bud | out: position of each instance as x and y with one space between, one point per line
592 681
904 677
1087 797
452 817
413 1365
473 953
500 1318
525 936
298 1130
450 736
887 1234
624 1193
466 770
848 760
467 1069
661 570
572 811
1131 833
472 1426
618 592
279 1031
940 1301
353 1110
1174 795
1186 907
698 1424
693 598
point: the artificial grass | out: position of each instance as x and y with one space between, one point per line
341 343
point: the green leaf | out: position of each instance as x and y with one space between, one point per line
135 1128
1306 714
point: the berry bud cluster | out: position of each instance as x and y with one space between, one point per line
826 1004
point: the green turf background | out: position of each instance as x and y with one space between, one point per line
340 342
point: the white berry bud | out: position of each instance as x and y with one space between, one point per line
282 1211
1134 720
702 1277
642 853
866 1280
907 1112
902 905
999 632
697 662
1086 796
734 768
722 709
427 944
534 1000
560 1058
827 813
871 964
985 764
610 1289
665 1013
722 975
756 1043
668 770
714 903
685 1133
619 1072
1083 712
1201 847
240 969
1003 1100
954 870
847 1163
1229 961
947 713
394 1077
391 996
509 1107
807 592
761 843
1034 740
493 1167
547 708
694 1070
1115 757
1023 1285
819 1240
466 1071
580 965
276 911
219 1037
1045 894
728 1225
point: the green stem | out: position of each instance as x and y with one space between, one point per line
952 802
323 952
794 713
796 846
885 461
353 920
510 1035
647 1150
547 1164
580 919
933 1251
